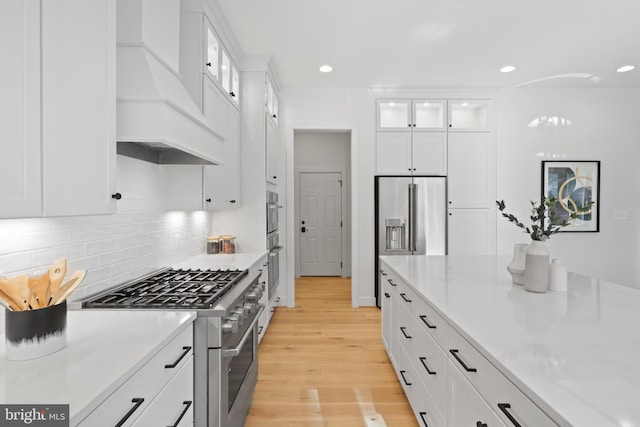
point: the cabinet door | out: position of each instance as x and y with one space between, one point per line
393 114
215 108
429 115
212 64
183 187
393 153
222 182
466 407
468 232
468 185
429 153
468 115
20 173
386 305
78 105
272 148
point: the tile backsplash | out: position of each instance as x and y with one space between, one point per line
111 248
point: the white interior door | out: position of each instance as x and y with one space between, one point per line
320 225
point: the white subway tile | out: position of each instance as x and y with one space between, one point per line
19 242
126 254
14 262
44 257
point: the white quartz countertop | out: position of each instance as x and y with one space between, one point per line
575 353
240 261
104 348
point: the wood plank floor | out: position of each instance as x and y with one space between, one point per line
323 364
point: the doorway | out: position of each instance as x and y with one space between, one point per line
322 193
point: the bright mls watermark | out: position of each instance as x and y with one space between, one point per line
34 415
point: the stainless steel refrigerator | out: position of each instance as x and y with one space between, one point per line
411 217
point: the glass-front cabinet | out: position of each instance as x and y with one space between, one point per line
271 100
220 66
213 55
468 115
394 114
428 114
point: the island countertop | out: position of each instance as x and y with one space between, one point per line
576 354
104 348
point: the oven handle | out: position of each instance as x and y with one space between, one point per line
274 205
275 250
232 352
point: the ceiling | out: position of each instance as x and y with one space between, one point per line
442 43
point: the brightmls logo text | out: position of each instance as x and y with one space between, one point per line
34 415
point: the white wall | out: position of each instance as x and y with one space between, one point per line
604 126
343 109
325 151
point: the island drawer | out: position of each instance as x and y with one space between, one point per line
504 398
134 396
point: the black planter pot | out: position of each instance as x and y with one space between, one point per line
35 333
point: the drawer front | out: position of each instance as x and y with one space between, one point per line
504 398
390 278
422 404
135 395
174 405
428 359
466 406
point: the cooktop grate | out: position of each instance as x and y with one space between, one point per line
175 289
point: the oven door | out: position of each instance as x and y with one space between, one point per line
236 376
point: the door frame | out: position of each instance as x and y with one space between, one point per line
344 271
354 193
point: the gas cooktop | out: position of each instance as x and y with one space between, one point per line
170 289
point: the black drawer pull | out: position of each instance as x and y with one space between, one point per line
424 363
138 401
503 407
386 295
464 365
186 351
403 378
424 320
383 273
423 417
391 283
402 328
187 405
481 424
260 329
404 297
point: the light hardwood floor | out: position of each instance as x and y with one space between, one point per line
323 364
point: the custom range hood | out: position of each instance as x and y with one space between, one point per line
157 120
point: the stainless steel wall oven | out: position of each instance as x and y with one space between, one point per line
273 243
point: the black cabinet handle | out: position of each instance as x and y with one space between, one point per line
208 64
260 329
424 319
424 363
187 405
138 401
116 196
402 328
274 116
383 273
423 417
409 124
391 283
232 201
481 424
503 407
233 95
403 377
275 177
386 294
404 297
464 365
186 351
208 200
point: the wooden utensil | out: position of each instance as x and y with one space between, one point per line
17 287
69 286
41 288
57 271
9 302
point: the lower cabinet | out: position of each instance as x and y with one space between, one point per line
158 394
448 382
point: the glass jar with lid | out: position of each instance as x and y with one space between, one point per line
228 244
213 244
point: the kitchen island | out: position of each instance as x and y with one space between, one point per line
574 354
104 350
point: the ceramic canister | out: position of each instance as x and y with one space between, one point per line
35 333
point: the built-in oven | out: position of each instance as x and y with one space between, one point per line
273 243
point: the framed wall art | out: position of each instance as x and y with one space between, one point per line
573 184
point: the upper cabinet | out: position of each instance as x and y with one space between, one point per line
57 105
468 115
271 99
432 115
219 65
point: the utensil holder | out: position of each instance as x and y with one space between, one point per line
30 334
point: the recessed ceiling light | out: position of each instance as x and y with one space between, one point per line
625 68
326 69
507 69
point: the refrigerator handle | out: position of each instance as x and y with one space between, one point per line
410 222
414 216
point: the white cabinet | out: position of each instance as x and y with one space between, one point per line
263 320
468 232
59 91
272 144
468 181
156 392
387 301
466 406
468 115
215 108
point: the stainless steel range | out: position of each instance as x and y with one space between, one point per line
225 332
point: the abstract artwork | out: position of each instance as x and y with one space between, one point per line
573 184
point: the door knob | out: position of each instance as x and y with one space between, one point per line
303 222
